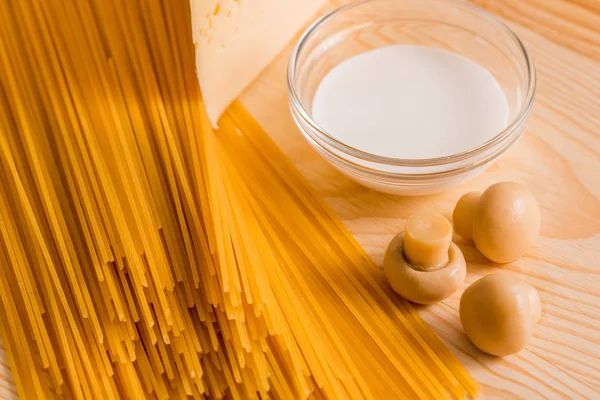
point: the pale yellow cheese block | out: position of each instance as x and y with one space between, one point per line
236 39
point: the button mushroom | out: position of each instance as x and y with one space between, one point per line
421 263
463 214
506 222
498 313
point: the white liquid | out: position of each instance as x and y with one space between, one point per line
410 102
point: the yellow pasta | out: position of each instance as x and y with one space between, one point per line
145 255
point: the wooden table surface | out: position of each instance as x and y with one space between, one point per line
558 158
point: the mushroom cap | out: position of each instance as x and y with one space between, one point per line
464 214
423 286
498 313
506 222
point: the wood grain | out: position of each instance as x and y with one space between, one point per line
558 158
571 23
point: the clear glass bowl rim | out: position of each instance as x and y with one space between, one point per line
512 127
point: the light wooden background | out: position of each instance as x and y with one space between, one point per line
558 158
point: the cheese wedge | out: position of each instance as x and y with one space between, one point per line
236 39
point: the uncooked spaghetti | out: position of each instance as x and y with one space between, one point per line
145 255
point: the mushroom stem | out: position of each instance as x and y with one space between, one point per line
427 238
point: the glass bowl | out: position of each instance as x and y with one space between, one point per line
451 25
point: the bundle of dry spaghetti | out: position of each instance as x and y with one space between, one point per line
145 255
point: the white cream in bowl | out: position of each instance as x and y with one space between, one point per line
410 102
